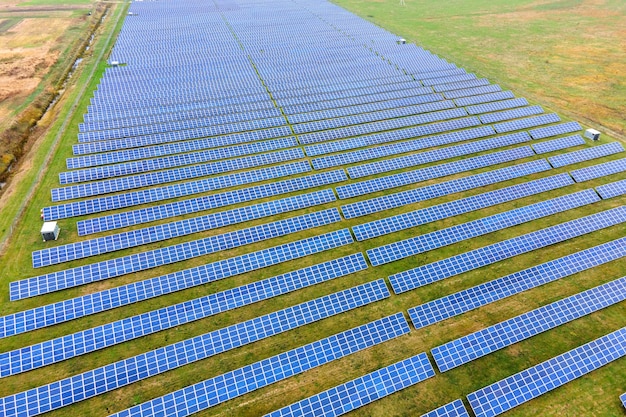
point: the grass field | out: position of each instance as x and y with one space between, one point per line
594 395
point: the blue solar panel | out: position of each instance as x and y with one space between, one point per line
623 399
163 177
544 132
510 114
454 234
453 208
558 144
497 105
470 99
461 85
483 342
142 261
453 409
139 367
433 155
100 337
361 391
612 189
436 271
171 230
436 171
599 170
526 123
127 294
595 152
510 392
483 294
363 208
194 205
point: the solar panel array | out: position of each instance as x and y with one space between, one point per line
346 397
510 392
623 398
241 122
498 336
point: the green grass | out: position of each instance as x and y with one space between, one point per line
593 395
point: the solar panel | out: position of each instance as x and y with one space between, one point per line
460 85
361 391
457 233
363 208
623 399
453 409
544 132
62 311
436 271
478 95
599 170
510 392
166 255
415 218
587 154
558 144
432 155
436 171
497 105
483 342
612 189
526 123
127 371
463 301
510 114
100 337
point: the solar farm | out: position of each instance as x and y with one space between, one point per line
280 209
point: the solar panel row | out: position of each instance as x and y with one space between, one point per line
466 300
510 114
586 154
558 144
612 189
133 238
560 129
453 409
131 293
365 207
454 234
497 105
364 390
435 171
415 218
483 342
127 371
460 85
478 95
142 261
510 392
436 271
599 170
435 155
216 390
526 123
100 337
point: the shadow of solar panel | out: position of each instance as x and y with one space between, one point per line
139 367
436 171
582 155
435 155
510 114
163 142
426 215
166 231
483 342
558 144
544 132
169 254
100 337
498 105
454 234
613 189
487 255
211 392
401 134
599 170
453 409
162 162
510 392
526 123
361 391
466 300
